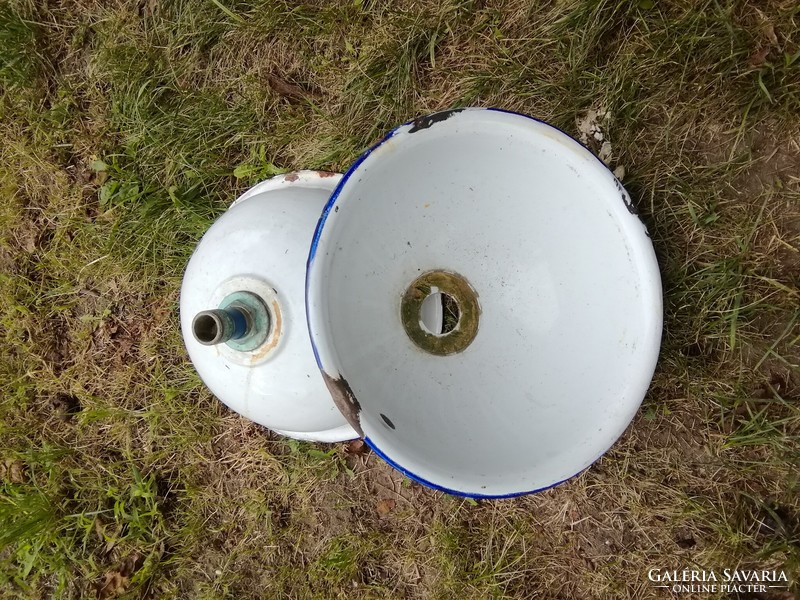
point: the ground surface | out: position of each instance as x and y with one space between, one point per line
125 128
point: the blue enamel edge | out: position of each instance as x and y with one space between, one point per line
321 224
312 252
440 488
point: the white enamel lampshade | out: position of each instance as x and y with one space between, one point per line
259 247
557 322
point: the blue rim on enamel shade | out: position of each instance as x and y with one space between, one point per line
446 490
312 252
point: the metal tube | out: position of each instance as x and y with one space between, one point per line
218 326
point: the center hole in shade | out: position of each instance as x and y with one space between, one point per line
439 313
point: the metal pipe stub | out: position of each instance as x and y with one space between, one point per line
242 321
217 326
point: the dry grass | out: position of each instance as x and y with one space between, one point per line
123 128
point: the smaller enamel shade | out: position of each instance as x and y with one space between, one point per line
554 302
260 246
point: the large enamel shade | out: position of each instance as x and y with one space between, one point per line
557 294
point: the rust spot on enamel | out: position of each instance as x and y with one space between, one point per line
276 327
325 174
292 177
345 401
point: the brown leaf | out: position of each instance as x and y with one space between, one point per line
769 32
113 584
385 506
287 89
760 57
356 447
130 564
125 345
27 239
100 528
117 581
16 471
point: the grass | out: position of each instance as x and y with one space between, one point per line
126 129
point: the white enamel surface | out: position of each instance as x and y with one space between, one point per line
261 244
567 282
338 434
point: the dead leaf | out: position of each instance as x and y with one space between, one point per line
591 126
117 581
125 345
27 239
766 28
130 564
605 152
356 447
113 585
100 528
287 89
6 261
769 32
15 471
760 57
385 506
